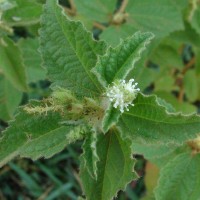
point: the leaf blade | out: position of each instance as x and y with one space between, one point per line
32 59
10 98
181 176
66 47
114 168
90 154
35 135
149 122
147 16
24 13
12 65
96 10
119 61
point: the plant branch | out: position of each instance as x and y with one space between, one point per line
194 145
120 16
123 6
188 66
181 94
69 11
193 8
72 10
99 26
180 79
72 5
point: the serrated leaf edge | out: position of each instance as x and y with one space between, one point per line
74 21
133 167
110 48
105 128
93 147
17 152
163 175
167 113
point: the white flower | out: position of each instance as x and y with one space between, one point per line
122 94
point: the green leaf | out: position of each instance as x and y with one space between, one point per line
120 32
169 108
162 54
32 59
119 61
189 35
26 12
180 4
12 65
147 15
165 83
69 51
9 99
142 74
195 22
191 85
110 118
197 60
6 5
183 107
97 10
149 122
115 167
89 155
153 151
159 154
180 179
36 135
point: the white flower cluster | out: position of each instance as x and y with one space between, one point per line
122 94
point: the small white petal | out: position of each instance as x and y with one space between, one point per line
122 94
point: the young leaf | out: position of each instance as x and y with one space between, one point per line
149 122
89 155
69 51
12 65
180 178
119 61
35 135
115 167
